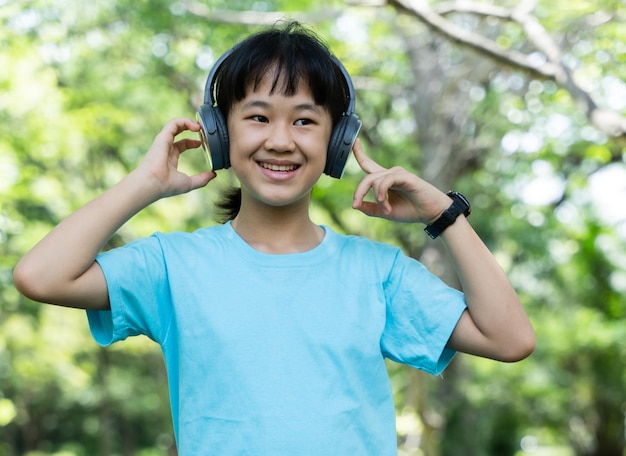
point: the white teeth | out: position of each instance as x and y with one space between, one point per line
278 167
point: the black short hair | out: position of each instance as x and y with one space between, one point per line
296 55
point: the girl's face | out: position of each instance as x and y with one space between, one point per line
278 144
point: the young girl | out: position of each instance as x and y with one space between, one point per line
274 329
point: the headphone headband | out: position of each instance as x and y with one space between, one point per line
348 80
209 97
209 88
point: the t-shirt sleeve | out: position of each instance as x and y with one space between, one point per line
422 312
137 282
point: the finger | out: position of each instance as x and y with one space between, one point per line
178 125
373 209
367 164
382 184
378 184
187 143
360 192
201 179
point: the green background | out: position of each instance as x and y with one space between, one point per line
519 105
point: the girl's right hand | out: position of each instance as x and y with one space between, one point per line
160 165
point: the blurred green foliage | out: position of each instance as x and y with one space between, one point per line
84 87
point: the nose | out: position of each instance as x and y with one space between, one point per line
280 137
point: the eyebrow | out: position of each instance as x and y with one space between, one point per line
265 105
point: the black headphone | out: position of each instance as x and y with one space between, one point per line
214 132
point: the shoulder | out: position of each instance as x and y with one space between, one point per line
160 245
381 258
364 244
217 233
362 252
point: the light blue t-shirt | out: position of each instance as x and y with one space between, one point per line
278 354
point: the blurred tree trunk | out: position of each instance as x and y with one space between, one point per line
440 105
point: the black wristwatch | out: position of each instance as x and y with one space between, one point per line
460 205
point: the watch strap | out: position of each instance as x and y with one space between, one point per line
460 205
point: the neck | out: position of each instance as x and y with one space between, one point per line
278 230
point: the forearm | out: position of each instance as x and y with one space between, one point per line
499 327
52 270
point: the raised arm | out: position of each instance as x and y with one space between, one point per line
494 324
61 269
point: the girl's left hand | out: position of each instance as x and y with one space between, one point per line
400 195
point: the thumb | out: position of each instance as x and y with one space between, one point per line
202 179
371 209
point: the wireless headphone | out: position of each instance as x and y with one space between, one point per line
214 132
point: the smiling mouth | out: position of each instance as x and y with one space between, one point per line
279 168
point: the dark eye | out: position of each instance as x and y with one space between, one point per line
302 122
259 119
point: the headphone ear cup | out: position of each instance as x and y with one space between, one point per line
341 141
214 135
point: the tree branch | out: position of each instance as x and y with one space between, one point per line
607 121
421 10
